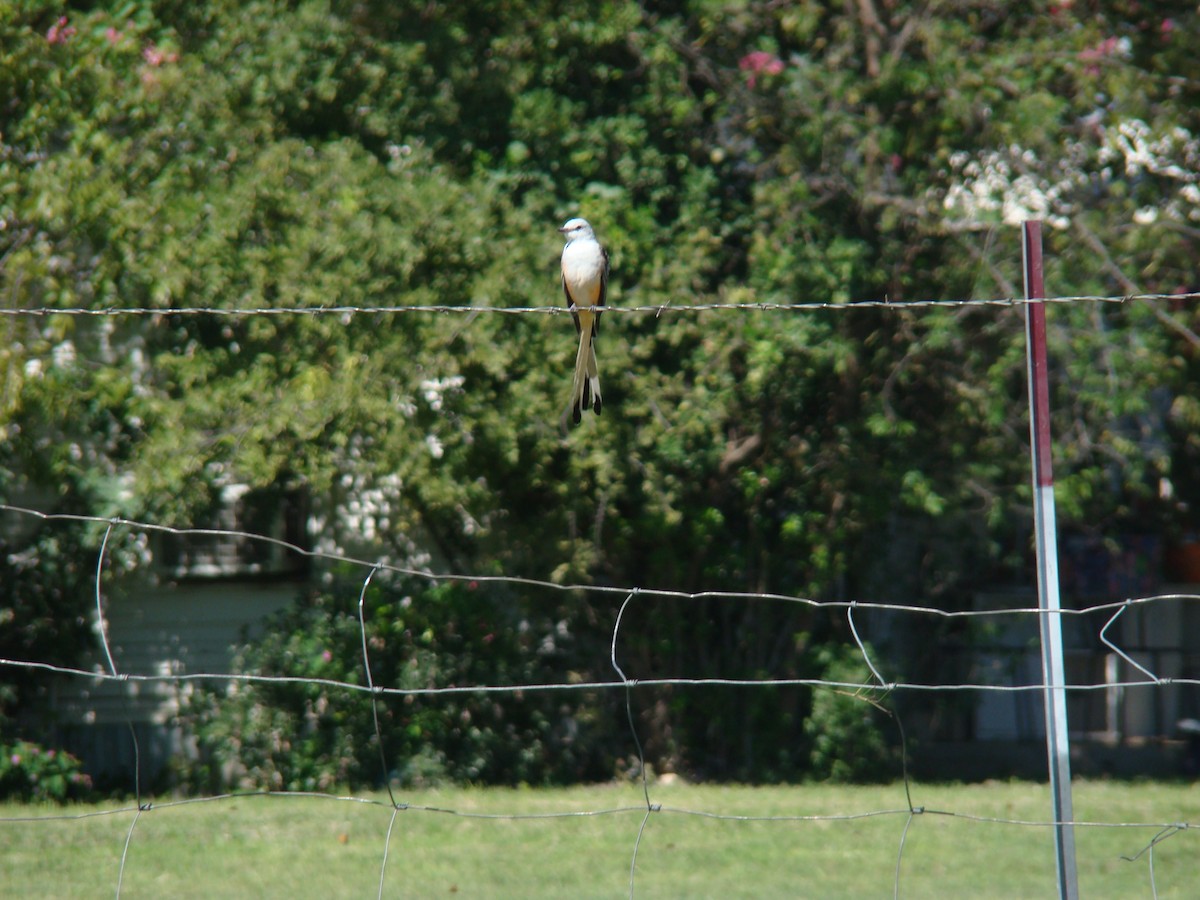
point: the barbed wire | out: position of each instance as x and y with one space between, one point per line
658 309
872 692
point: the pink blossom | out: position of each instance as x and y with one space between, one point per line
157 57
327 656
1110 46
112 36
15 759
60 32
760 61
1106 47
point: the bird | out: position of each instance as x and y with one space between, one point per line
585 283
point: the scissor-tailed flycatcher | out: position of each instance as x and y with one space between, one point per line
585 282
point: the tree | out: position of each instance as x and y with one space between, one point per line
253 156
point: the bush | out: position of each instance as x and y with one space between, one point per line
312 735
848 744
29 772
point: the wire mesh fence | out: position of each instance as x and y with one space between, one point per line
644 816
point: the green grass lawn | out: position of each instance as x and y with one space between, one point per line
496 843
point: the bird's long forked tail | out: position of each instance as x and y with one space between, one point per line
585 388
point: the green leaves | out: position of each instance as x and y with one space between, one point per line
241 157
418 638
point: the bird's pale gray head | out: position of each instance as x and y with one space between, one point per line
577 228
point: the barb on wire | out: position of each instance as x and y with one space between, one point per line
657 310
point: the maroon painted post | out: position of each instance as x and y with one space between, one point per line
1058 746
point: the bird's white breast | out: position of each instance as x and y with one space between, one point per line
583 267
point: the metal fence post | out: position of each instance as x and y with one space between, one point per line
1058 745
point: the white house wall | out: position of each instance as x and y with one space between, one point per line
184 629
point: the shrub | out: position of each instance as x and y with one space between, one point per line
313 735
29 772
847 742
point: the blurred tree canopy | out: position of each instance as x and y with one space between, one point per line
230 156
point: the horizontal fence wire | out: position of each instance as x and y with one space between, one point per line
910 812
767 306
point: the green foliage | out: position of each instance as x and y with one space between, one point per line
44 571
290 735
32 774
239 156
846 729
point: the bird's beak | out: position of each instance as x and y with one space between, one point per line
562 230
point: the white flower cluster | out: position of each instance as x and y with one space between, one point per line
433 389
1006 185
1013 184
366 513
